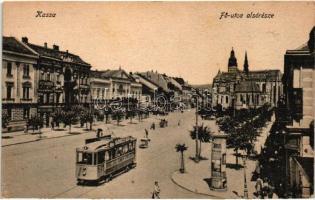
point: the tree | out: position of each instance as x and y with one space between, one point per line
181 148
69 117
203 134
131 113
118 115
57 116
107 113
86 117
36 122
5 120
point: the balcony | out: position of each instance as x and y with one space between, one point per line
8 100
45 85
26 76
26 100
84 86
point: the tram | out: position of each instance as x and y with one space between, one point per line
102 159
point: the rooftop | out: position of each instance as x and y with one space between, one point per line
12 44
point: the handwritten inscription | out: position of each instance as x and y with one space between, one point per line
44 14
251 15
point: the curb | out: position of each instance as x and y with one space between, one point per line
38 140
200 193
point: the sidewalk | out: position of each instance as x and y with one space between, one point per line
20 137
193 179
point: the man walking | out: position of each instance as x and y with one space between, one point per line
146 133
156 191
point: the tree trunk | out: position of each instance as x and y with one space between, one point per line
236 157
199 153
182 167
197 156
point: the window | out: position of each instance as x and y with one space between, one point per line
10 113
58 77
26 113
226 99
26 70
42 75
9 91
98 93
26 92
9 69
84 158
101 157
264 87
48 76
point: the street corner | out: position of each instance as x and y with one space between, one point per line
195 184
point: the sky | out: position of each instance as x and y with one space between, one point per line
185 39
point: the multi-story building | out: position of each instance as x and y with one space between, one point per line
245 89
62 79
113 84
149 89
19 82
298 133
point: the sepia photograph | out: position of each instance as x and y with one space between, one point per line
159 99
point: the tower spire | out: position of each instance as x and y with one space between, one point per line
246 63
232 65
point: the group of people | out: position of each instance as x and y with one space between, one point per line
264 188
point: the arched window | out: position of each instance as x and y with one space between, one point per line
264 87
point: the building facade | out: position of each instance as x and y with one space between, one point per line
113 84
246 89
298 132
62 79
19 81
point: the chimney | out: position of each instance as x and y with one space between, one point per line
24 39
56 47
45 45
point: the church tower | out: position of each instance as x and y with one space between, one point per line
232 66
246 64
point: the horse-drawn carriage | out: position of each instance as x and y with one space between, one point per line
163 123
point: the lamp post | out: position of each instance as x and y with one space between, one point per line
245 181
197 156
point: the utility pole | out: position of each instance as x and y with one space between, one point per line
245 181
197 155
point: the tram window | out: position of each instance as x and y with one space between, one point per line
106 155
79 157
84 158
95 158
101 157
130 146
118 151
125 150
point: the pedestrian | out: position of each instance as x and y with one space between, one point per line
258 186
52 124
265 188
146 133
156 191
152 126
270 191
178 122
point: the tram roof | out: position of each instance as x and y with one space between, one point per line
105 143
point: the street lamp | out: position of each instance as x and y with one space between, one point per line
197 156
245 181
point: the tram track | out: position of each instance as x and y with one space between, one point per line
79 191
